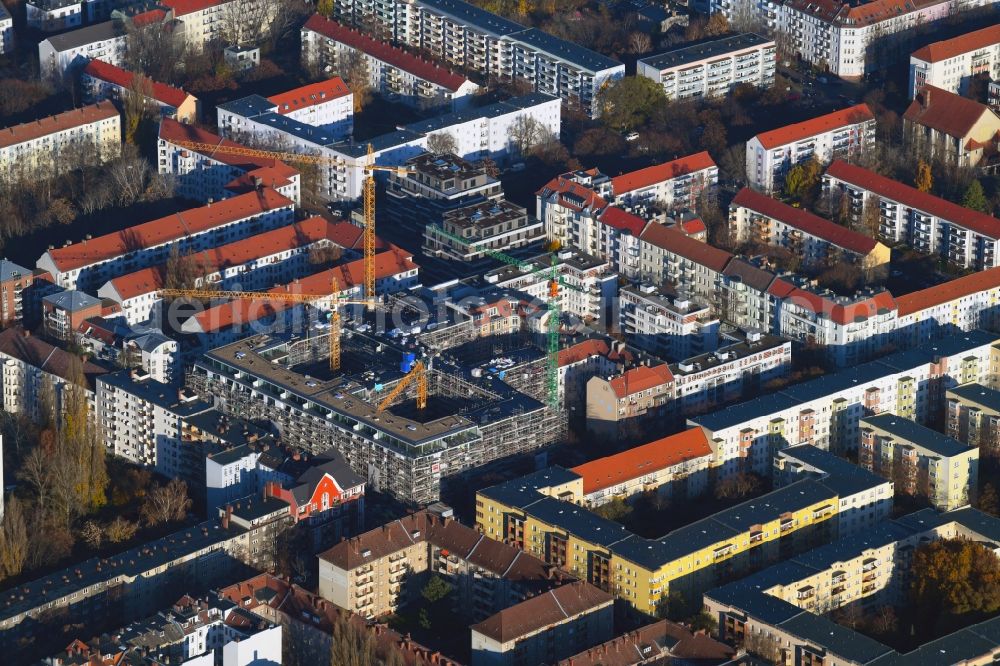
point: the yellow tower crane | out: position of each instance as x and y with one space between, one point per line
417 373
368 190
335 330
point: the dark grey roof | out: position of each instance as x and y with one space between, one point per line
379 143
757 511
704 51
837 474
844 642
150 340
297 128
978 394
976 521
250 106
82 36
522 491
474 16
748 274
912 432
8 269
157 393
331 462
447 120
71 300
581 57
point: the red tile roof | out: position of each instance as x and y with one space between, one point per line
693 226
854 16
981 223
681 244
147 17
310 95
945 112
619 219
948 291
161 92
839 312
660 642
950 48
182 7
11 136
385 52
640 379
572 194
388 263
641 460
634 180
295 235
537 613
581 351
831 121
805 221
166 229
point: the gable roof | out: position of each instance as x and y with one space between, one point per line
537 613
791 133
839 310
166 229
641 378
310 95
981 223
641 460
11 136
677 242
804 220
182 7
385 52
623 221
658 173
161 92
956 46
946 112
948 291
573 195
18 343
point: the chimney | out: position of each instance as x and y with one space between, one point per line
26 333
925 97
226 516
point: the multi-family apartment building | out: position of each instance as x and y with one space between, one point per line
946 125
712 68
676 185
38 375
927 223
326 104
45 145
669 255
920 461
625 406
141 418
53 15
827 411
60 55
866 499
580 361
91 262
6 31
676 466
203 22
209 629
845 133
14 279
973 418
155 354
757 218
745 298
467 233
539 513
951 64
102 593
264 119
64 313
660 640
256 262
464 36
433 185
329 46
786 607
669 326
203 173
101 80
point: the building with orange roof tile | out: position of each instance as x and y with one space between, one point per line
757 218
323 104
951 64
29 150
217 173
661 465
593 357
673 185
415 81
101 80
91 262
963 304
256 262
940 123
845 133
624 407
928 224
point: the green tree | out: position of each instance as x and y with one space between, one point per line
988 500
924 180
435 590
953 577
617 510
975 197
324 7
802 179
704 621
629 102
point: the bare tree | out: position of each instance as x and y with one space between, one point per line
119 530
354 70
247 23
166 503
639 42
153 50
526 133
442 142
138 106
13 538
128 177
181 271
92 534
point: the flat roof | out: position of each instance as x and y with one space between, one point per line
584 58
705 51
978 394
921 436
